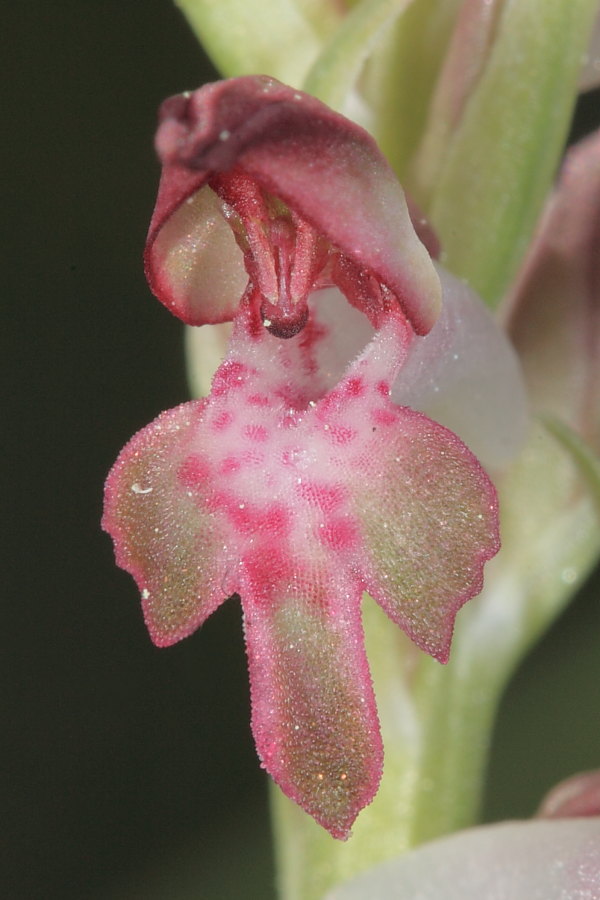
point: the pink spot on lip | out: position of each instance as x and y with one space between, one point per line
270 521
354 387
236 461
271 557
258 400
222 420
341 434
383 388
230 465
256 432
383 416
340 534
194 470
347 390
277 520
229 376
324 497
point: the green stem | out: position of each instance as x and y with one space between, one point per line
496 169
399 79
338 67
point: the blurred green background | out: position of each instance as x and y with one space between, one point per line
128 773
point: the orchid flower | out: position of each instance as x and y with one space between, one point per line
335 450
299 483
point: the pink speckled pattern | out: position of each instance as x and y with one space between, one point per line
299 497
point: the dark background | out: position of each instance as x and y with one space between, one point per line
129 772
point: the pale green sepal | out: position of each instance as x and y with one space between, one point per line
535 860
582 454
399 79
334 74
500 163
323 15
550 542
281 38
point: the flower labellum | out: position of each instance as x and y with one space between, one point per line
292 489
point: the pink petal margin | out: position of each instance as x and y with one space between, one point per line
164 533
313 710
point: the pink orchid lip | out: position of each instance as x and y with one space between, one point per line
327 172
298 496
